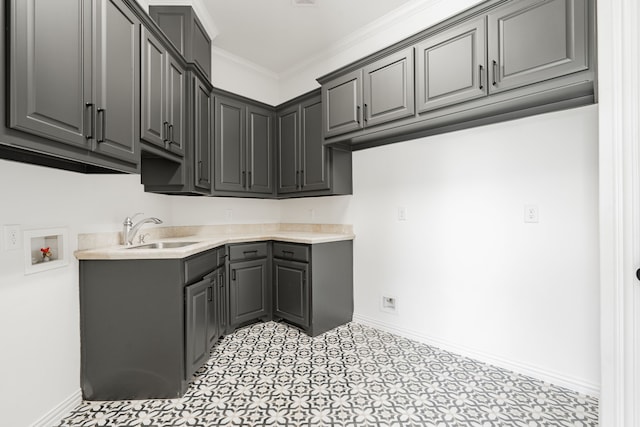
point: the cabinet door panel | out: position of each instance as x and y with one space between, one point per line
153 90
388 88
48 95
535 40
202 140
288 137
197 318
342 100
213 326
291 291
248 293
314 166
176 105
259 150
230 172
451 66
117 71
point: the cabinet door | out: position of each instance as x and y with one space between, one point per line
259 150
213 327
176 106
248 291
197 319
288 143
117 77
291 291
202 135
536 40
388 88
314 156
451 66
342 99
223 301
229 167
50 70
152 109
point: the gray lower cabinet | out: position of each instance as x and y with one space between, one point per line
243 154
291 291
313 285
146 325
199 324
305 166
249 283
75 79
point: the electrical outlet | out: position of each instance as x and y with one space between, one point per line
388 304
312 214
531 213
228 214
11 237
402 213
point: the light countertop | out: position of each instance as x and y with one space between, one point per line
208 238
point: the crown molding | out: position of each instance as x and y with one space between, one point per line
216 51
365 33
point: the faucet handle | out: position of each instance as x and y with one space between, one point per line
129 220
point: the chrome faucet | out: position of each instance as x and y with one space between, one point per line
129 230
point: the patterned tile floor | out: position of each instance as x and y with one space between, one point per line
270 374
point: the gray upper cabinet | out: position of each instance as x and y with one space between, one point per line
288 146
202 116
75 78
499 60
230 173
305 166
117 69
259 150
342 100
535 40
451 67
163 109
186 32
243 147
51 74
378 93
388 88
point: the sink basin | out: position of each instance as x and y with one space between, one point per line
163 245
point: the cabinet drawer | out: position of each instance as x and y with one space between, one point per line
222 255
248 251
291 251
199 265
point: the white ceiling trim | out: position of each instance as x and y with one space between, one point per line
200 9
216 51
364 33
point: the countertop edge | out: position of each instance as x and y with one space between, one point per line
204 243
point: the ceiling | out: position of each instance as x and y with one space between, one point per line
276 35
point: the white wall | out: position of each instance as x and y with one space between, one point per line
468 274
39 313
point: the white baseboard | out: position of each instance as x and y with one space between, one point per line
60 411
537 372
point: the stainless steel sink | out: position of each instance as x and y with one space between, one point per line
163 245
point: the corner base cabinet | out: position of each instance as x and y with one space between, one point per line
313 285
147 325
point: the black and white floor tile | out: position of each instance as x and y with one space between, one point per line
270 374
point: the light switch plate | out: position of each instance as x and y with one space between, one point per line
531 214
